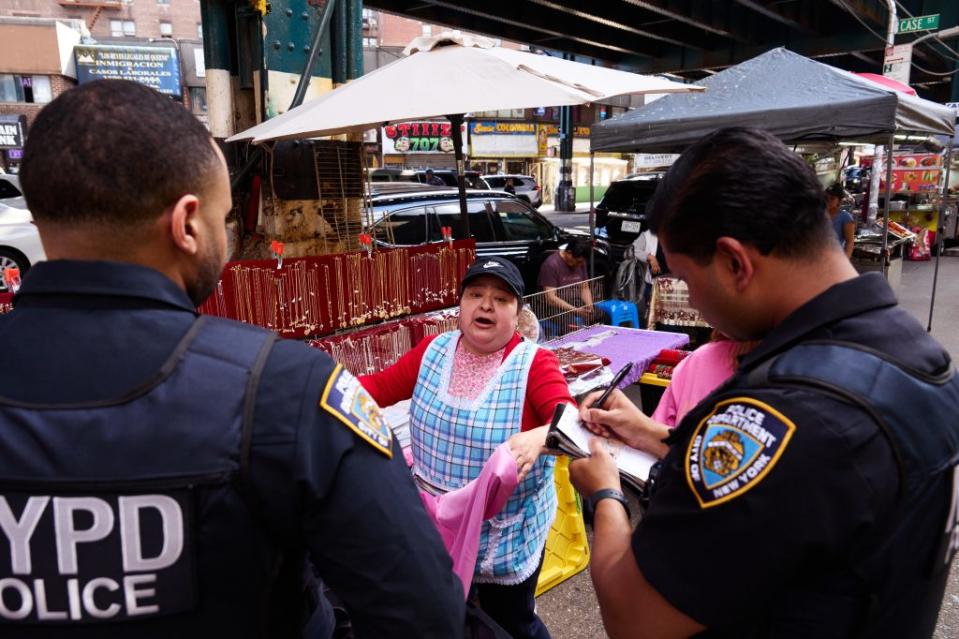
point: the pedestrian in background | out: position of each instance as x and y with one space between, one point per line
166 474
842 220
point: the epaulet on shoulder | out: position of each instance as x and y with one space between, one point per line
345 399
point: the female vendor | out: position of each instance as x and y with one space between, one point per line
473 389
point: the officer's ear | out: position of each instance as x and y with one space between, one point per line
737 259
184 223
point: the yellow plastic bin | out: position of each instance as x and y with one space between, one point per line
567 551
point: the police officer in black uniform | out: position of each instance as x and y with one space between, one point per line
169 475
812 495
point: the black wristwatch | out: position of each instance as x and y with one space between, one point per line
609 493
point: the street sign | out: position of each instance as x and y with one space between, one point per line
919 23
897 62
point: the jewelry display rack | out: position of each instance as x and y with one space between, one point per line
372 349
319 295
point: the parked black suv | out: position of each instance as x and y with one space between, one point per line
501 224
622 211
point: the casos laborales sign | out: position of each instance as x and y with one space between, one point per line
156 67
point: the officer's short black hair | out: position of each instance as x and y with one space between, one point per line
113 152
578 247
745 184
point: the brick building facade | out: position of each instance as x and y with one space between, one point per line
37 40
118 19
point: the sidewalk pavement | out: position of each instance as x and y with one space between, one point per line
581 207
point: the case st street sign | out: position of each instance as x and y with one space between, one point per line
919 23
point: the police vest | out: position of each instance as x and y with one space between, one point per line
917 413
99 520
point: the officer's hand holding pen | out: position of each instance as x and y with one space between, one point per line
621 418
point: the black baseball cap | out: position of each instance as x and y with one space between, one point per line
499 267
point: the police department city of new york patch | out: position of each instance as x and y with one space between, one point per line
734 448
346 399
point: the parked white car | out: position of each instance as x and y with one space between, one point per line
525 187
19 240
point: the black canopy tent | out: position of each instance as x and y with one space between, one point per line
795 98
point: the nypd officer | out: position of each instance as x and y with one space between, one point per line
812 495
169 475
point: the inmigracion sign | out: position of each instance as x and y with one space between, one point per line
156 67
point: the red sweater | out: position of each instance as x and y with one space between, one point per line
545 387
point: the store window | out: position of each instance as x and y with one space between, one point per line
33 89
166 28
505 114
198 99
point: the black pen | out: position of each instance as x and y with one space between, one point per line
617 379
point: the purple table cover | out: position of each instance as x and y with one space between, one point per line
620 345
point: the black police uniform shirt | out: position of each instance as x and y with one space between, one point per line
327 494
770 554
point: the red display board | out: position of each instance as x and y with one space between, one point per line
313 296
912 172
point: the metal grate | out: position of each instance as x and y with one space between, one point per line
555 319
340 184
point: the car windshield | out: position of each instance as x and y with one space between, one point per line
628 196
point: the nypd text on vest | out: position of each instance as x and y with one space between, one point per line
76 559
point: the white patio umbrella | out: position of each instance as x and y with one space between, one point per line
448 75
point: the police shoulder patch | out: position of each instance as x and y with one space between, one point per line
346 399
734 448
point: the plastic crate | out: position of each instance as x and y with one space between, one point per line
567 550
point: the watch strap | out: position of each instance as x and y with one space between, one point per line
609 493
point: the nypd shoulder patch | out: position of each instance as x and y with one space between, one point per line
346 399
734 448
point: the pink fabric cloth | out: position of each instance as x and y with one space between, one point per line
471 372
459 514
695 377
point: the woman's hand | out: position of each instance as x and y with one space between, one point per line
526 448
653 264
621 418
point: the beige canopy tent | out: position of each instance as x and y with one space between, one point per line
449 75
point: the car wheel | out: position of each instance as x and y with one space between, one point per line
10 258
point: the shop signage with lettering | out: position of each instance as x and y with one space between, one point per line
578 131
418 137
502 128
156 67
12 131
